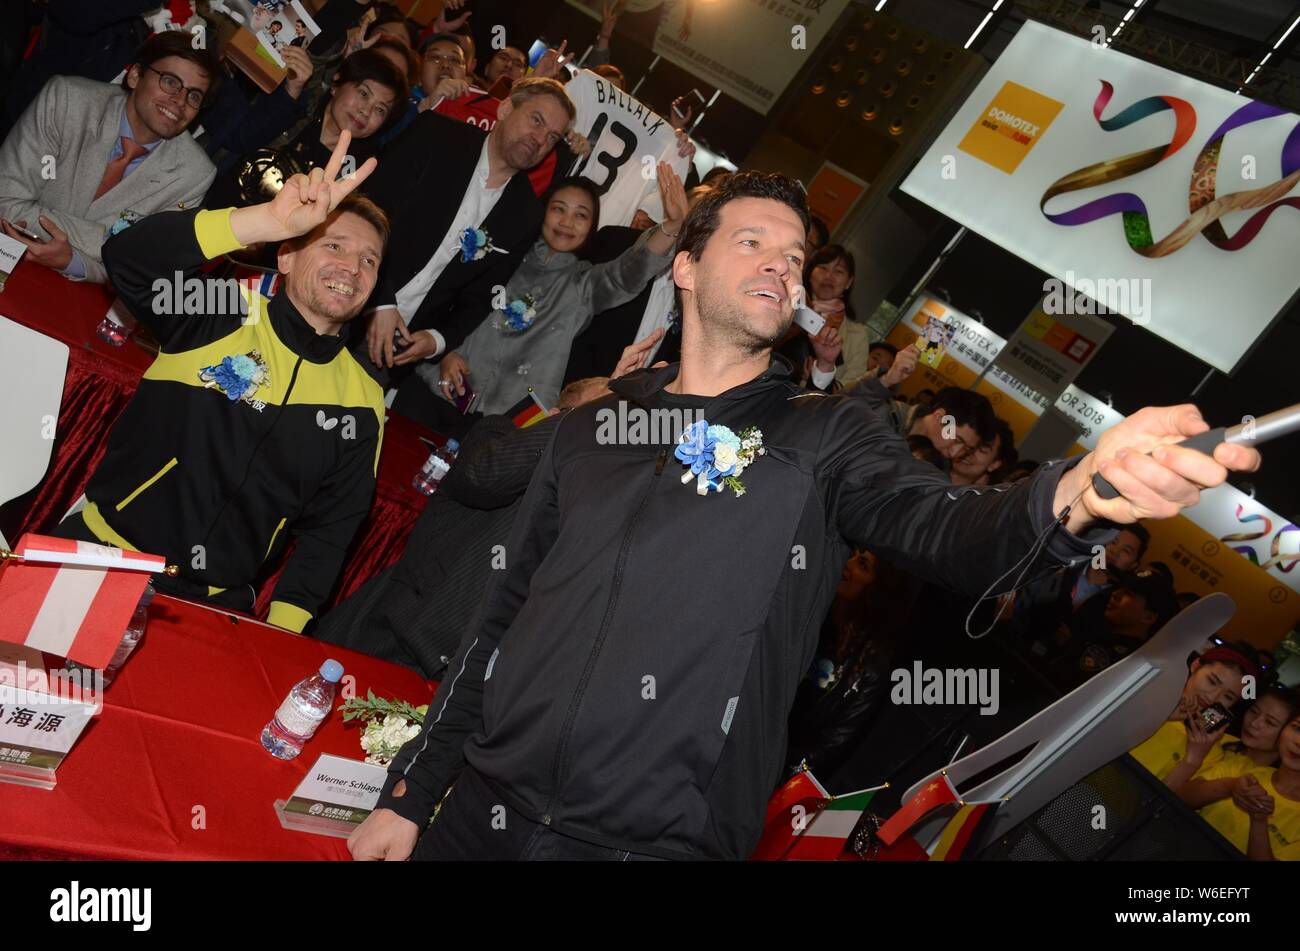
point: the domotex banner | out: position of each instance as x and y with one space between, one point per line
1157 196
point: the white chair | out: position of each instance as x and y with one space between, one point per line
32 368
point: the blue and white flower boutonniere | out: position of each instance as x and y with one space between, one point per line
518 315
715 456
239 376
475 244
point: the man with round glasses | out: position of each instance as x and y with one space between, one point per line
86 159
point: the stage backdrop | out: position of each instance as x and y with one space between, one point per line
743 47
1228 542
1149 191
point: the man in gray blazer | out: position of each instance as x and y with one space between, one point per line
87 159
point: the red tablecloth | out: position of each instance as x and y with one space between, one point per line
180 728
101 380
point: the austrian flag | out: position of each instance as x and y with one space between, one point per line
71 598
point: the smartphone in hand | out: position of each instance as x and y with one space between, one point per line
465 402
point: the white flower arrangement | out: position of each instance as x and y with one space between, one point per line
390 725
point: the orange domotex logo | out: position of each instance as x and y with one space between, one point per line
1006 131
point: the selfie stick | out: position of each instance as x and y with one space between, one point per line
1250 433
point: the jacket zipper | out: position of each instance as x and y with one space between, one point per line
567 729
293 378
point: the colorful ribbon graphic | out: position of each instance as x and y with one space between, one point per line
1206 209
1283 562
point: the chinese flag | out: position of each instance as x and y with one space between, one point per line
937 792
801 792
72 598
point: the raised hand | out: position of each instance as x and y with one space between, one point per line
446 24
826 347
679 114
674 198
685 147
1155 478
299 64
578 143
609 11
1199 742
303 203
355 35
902 367
548 66
635 354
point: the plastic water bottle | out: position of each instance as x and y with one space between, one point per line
435 468
130 640
132 637
111 332
307 705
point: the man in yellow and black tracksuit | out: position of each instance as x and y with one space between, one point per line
245 430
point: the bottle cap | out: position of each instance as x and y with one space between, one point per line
332 671
453 445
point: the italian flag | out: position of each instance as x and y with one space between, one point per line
72 598
806 823
827 832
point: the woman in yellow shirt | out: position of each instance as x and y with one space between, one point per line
1262 818
1228 756
1217 676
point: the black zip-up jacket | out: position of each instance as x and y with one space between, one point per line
632 669
187 466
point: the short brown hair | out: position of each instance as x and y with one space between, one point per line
526 89
702 219
365 209
575 393
612 73
178 43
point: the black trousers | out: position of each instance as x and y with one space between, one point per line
474 825
235 599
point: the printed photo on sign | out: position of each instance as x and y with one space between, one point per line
276 24
934 340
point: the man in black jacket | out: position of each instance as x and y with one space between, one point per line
248 428
438 178
627 686
415 611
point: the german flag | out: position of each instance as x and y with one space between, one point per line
965 832
527 411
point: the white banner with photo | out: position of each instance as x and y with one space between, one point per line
1163 198
750 49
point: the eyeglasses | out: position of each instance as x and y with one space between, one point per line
444 59
172 84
